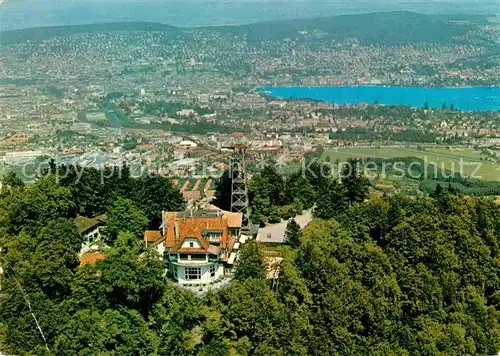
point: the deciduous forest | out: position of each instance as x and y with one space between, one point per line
369 275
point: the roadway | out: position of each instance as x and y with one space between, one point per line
276 232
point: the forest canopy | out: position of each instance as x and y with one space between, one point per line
384 275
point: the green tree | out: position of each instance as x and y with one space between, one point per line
331 200
33 207
124 215
438 192
116 332
250 263
156 194
257 323
223 191
298 188
354 183
173 317
292 234
38 271
317 173
91 193
11 180
55 254
22 335
125 278
265 191
393 275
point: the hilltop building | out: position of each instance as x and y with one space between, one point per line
198 247
91 230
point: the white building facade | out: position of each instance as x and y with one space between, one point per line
199 248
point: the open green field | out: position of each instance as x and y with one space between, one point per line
461 152
445 159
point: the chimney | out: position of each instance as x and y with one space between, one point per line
176 227
164 223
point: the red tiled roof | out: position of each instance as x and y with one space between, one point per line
196 185
234 220
185 185
159 241
152 235
187 250
191 194
230 244
90 258
208 184
169 229
193 227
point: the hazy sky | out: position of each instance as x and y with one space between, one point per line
15 14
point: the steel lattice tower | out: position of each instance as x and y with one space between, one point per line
239 193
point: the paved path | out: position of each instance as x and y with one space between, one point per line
277 231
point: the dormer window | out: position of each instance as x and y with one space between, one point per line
212 236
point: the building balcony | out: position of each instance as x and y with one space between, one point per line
192 262
213 239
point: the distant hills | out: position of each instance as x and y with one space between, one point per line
41 33
389 28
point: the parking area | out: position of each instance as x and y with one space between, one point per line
276 232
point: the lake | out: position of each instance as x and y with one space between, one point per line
466 99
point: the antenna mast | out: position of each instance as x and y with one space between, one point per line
239 192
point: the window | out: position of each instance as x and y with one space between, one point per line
192 273
212 271
213 236
198 257
191 244
184 257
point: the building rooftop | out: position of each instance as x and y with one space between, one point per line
152 236
199 225
90 258
84 223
